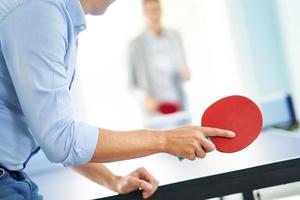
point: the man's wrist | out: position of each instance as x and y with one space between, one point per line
159 140
103 176
114 184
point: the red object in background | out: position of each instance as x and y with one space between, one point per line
238 114
168 107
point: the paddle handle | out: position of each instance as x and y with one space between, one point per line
180 158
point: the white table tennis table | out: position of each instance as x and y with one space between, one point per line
273 159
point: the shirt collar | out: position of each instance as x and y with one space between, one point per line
77 15
151 34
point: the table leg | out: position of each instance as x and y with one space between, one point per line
248 195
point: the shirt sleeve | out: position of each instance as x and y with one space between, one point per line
34 40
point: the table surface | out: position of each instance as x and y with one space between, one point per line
272 146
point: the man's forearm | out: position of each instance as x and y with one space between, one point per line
187 141
116 145
99 174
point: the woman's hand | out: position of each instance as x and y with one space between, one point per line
185 73
191 141
140 179
150 104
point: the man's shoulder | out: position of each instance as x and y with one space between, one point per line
9 6
56 3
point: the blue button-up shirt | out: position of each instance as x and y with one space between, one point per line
38 44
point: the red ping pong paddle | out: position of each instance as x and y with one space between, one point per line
168 107
238 114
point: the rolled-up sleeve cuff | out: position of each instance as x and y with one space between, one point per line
84 145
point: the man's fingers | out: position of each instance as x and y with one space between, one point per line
147 194
145 175
200 153
141 184
207 145
216 132
146 187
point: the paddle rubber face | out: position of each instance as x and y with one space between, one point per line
238 114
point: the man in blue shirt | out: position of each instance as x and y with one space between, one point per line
38 44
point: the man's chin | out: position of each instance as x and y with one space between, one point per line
104 8
98 12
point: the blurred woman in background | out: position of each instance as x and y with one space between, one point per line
158 65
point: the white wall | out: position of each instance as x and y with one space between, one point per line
290 24
260 46
102 66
